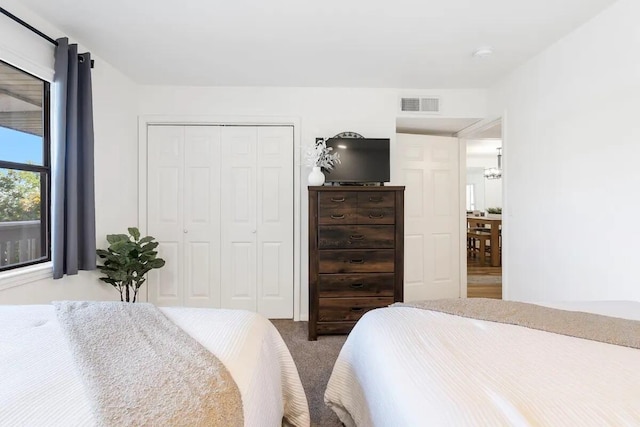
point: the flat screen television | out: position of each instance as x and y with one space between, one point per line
362 160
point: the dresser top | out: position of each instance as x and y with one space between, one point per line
356 188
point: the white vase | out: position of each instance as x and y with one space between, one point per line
316 177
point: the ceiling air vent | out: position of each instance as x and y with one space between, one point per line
420 105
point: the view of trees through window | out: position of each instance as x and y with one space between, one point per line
24 168
19 195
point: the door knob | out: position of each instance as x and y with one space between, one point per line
253 231
185 231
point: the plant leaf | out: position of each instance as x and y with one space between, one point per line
134 232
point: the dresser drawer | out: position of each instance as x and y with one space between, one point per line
348 309
331 200
356 236
376 215
346 215
376 199
356 261
354 285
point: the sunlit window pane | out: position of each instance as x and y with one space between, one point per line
24 168
20 207
19 195
20 147
21 118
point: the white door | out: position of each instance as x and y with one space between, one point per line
429 168
183 214
202 216
238 213
165 180
257 219
275 222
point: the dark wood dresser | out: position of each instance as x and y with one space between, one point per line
356 254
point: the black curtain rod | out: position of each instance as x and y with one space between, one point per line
31 28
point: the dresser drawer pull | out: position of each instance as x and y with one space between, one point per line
375 199
337 216
376 216
356 237
357 309
357 285
337 199
356 261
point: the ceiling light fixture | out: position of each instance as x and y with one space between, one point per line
483 52
495 173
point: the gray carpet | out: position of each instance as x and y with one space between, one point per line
314 360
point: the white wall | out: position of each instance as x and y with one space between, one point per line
488 191
118 102
115 123
320 111
571 150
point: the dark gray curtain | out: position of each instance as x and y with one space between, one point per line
73 229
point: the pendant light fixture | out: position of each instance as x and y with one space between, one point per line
495 173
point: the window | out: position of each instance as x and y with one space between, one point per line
24 169
471 197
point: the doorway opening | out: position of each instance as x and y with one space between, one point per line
484 212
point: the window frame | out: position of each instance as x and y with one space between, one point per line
470 196
45 176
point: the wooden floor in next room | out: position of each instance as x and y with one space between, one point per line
483 281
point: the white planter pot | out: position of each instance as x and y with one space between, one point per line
316 177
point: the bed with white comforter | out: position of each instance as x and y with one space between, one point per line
39 384
404 366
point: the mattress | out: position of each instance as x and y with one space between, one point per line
404 366
41 387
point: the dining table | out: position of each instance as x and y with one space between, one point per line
494 224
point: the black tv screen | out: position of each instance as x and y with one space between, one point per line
361 160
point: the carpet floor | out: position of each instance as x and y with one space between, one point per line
314 360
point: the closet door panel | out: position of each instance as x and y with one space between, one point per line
238 217
201 231
220 202
165 211
275 221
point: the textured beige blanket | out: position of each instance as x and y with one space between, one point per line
611 330
139 368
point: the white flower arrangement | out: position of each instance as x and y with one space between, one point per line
321 156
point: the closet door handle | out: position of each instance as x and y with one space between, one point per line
356 261
337 199
376 199
337 216
357 285
356 237
376 216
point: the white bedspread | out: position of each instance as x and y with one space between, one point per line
404 366
39 385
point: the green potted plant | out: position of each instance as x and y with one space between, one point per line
127 260
494 211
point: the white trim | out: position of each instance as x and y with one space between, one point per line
25 64
24 275
506 212
146 120
462 180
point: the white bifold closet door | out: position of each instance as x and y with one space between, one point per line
183 214
220 202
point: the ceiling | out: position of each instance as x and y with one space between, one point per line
483 147
329 43
20 101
